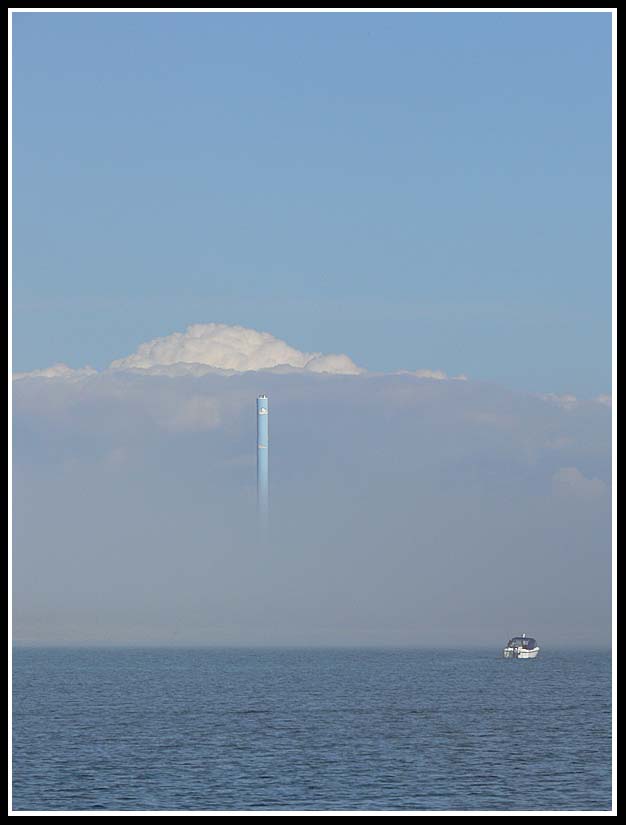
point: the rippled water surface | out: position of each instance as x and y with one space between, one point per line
217 729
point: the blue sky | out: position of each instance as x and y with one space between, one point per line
415 190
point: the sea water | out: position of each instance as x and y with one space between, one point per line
181 729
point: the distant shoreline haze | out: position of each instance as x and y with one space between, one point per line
405 508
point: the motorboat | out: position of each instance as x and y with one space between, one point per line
521 647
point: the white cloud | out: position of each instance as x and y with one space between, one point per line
220 348
338 364
571 482
439 375
57 371
565 402
605 400
570 402
225 347
435 375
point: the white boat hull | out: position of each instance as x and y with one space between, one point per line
518 653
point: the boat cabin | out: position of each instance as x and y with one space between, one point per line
525 642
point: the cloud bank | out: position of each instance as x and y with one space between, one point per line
403 505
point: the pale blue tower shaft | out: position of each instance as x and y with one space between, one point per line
262 457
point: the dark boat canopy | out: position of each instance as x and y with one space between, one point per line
525 642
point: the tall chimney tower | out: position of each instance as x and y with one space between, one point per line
262 458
